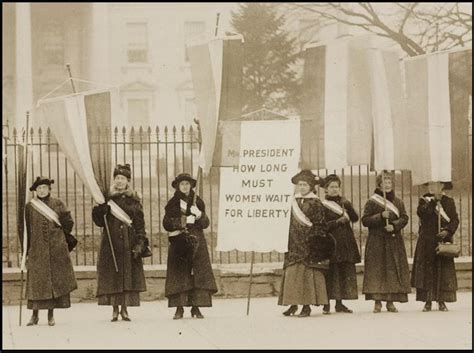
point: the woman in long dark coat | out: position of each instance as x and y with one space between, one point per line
309 250
434 277
126 223
189 277
386 273
341 279
50 276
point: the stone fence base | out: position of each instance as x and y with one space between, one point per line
232 281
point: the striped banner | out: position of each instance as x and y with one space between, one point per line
216 69
390 123
336 120
75 121
438 87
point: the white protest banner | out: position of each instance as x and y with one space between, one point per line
256 195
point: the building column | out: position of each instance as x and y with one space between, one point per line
99 68
23 65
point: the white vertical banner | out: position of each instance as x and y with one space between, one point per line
256 195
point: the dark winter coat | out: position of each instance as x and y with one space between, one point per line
311 246
130 275
50 271
181 261
346 245
386 265
425 261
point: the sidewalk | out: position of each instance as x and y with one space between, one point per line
86 325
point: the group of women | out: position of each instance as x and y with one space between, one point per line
320 264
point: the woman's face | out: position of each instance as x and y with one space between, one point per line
303 187
333 189
120 181
185 187
435 187
42 190
387 184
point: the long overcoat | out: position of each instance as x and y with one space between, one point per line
346 245
425 262
311 246
184 271
385 263
130 275
50 273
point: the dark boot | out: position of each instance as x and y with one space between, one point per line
391 308
195 312
115 313
34 319
378 306
179 313
427 307
124 314
326 309
305 312
442 306
51 321
291 310
341 308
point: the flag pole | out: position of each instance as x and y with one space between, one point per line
25 243
250 282
68 67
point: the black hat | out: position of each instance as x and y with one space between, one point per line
41 180
181 177
329 179
307 176
123 170
447 185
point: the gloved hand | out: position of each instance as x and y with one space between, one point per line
342 220
190 219
442 235
137 250
386 214
196 211
389 228
103 208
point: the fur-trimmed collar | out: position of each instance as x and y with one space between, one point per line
390 194
127 192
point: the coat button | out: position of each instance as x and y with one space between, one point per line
121 227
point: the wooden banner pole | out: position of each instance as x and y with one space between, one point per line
250 282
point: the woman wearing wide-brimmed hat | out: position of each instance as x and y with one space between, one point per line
309 250
433 276
189 277
50 276
126 224
386 273
341 280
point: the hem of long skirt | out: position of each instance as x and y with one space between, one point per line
393 297
343 298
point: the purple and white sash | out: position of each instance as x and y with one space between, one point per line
438 209
298 213
46 211
120 214
382 202
335 207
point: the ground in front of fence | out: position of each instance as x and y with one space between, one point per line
226 325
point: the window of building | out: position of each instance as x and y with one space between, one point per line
191 30
52 44
137 43
138 115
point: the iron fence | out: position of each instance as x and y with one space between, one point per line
156 156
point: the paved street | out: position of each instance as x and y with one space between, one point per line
226 325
